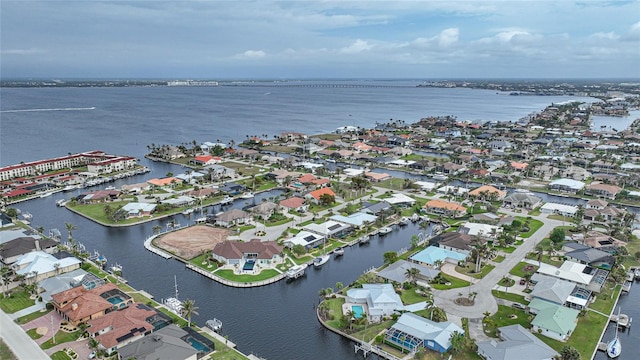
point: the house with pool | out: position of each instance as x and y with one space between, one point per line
433 255
79 305
412 332
244 256
373 300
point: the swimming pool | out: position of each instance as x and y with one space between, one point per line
248 265
357 311
198 345
115 300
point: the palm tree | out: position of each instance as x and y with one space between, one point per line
189 308
156 229
457 340
412 274
70 227
93 344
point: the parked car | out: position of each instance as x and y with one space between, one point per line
523 281
92 355
518 306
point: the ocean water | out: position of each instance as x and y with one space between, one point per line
276 321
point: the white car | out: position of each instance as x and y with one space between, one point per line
92 355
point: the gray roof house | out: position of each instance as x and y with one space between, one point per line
552 289
398 270
517 343
591 256
522 200
164 344
412 332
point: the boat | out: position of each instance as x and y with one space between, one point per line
110 188
247 195
415 218
173 303
227 200
44 195
69 187
637 273
364 240
404 221
27 216
116 269
187 212
320 260
385 230
295 271
614 347
339 251
61 202
214 324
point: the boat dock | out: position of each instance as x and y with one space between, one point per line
602 346
623 320
626 286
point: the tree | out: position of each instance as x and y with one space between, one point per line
189 308
568 353
412 274
70 227
299 249
156 229
437 314
12 213
557 235
390 257
457 340
339 286
93 344
327 199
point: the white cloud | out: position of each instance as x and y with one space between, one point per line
31 51
356 47
448 37
251 54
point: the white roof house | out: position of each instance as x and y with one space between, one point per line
136 208
561 209
427 185
399 198
570 271
484 230
567 184
457 190
357 219
43 264
304 238
381 299
328 228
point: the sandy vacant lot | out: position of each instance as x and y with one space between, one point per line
192 241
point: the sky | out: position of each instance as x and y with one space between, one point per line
266 39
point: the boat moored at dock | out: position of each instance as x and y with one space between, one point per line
295 271
214 324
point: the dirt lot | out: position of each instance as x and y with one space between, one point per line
190 242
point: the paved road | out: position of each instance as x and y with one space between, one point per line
18 341
484 301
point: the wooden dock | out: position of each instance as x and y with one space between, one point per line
622 320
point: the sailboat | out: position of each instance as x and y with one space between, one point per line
173 303
321 260
614 347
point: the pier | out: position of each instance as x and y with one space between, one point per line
622 320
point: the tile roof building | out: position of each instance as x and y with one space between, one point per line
516 343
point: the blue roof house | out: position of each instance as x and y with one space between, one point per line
411 332
432 254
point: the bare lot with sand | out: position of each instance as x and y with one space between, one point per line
192 241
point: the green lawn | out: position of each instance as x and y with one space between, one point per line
5 352
61 337
200 259
605 301
455 283
508 249
245 278
504 318
372 330
176 319
470 270
498 258
509 296
335 311
534 225
17 299
410 297
33 334
518 270
584 338
25 319
60 355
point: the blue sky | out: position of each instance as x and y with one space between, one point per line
320 39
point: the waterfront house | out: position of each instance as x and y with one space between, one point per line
381 300
179 201
330 229
167 181
522 200
377 177
485 231
78 305
204 160
358 220
65 281
566 185
581 274
294 203
445 208
559 292
38 265
233 188
597 204
119 328
111 165
264 210
217 171
376 208
98 196
516 342
456 241
560 209
11 250
238 252
164 344
397 272
305 238
400 200
412 332
136 209
135 188
602 190
232 217
487 192
592 257
553 320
